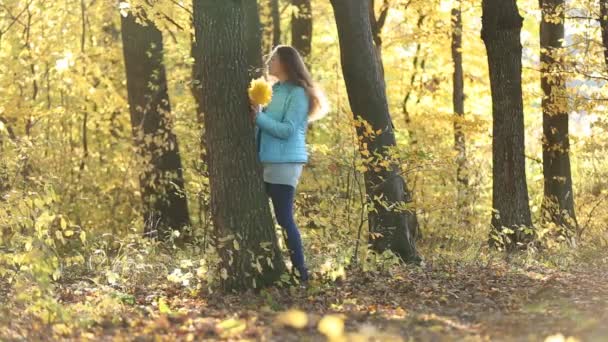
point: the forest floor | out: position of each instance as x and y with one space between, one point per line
437 302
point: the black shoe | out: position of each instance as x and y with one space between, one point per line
301 275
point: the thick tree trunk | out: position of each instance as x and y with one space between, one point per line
254 55
165 207
391 228
244 229
301 28
501 27
256 70
458 103
558 203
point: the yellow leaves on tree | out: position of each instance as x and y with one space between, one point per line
260 92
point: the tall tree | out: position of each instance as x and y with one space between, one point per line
604 28
501 27
255 64
390 227
558 204
165 207
276 22
244 229
418 67
301 28
458 103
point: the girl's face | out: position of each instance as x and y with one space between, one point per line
275 67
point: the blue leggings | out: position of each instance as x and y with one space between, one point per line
282 197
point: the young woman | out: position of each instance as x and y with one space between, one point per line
281 137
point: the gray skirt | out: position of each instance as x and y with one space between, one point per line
283 173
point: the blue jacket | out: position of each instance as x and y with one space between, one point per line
281 128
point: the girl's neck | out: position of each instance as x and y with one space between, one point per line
282 78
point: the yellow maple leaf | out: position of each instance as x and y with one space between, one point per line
260 92
332 326
293 318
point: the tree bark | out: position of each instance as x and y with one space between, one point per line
377 24
558 203
390 228
501 27
244 229
458 103
301 29
165 207
276 23
604 27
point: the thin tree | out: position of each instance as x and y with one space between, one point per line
558 204
418 67
604 28
301 28
244 229
392 227
271 23
458 103
165 207
501 27
276 22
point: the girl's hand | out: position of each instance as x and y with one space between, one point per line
253 111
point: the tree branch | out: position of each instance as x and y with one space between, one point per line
9 129
15 18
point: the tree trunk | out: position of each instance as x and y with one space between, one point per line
244 229
501 27
301 29
458 103
558 203
604 26
165 207
377 24
418 66
276 23
271 23
391 227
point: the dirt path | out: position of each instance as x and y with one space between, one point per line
439 303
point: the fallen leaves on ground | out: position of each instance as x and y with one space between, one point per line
445 301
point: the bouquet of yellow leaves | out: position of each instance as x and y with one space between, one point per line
260 92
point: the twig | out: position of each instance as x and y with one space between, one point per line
15 18
534 159
583 228
181 6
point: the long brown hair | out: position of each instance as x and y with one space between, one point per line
298 74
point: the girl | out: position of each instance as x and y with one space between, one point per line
281 137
